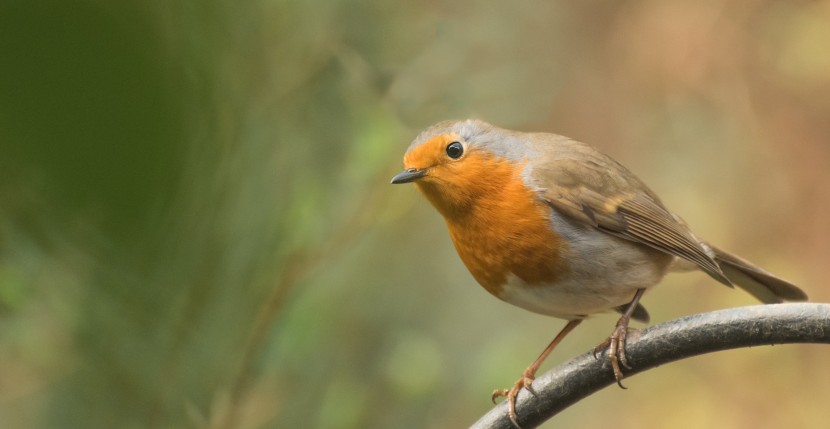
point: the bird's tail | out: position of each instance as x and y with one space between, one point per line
755 280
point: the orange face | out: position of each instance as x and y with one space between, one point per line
451 173
433 154
498 225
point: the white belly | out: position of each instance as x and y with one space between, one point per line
604 272
569 299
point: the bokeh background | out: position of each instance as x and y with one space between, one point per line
197 230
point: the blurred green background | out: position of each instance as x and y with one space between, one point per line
197 230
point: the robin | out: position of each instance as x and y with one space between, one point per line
556 227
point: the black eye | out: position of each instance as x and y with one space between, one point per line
455 150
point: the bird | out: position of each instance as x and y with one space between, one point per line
556 227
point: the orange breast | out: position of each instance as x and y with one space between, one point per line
504 229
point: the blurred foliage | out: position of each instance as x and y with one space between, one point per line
197 231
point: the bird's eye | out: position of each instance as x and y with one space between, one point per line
455 150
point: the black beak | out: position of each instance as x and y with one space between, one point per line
409 175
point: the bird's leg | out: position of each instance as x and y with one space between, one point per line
616 342
529 374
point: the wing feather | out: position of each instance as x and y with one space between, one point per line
594 189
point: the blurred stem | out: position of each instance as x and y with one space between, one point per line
296 265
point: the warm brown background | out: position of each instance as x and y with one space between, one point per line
196 226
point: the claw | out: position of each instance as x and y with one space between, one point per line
511 394
498 393
602 346
529 375
615 344
526 381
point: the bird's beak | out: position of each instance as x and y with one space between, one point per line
409 175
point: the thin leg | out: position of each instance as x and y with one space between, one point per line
529 374
616 342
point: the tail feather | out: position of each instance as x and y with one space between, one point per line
757 281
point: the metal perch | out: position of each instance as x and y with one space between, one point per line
757 325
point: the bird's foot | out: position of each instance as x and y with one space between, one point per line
615 344
525 381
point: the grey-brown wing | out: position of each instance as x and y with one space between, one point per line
597 190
